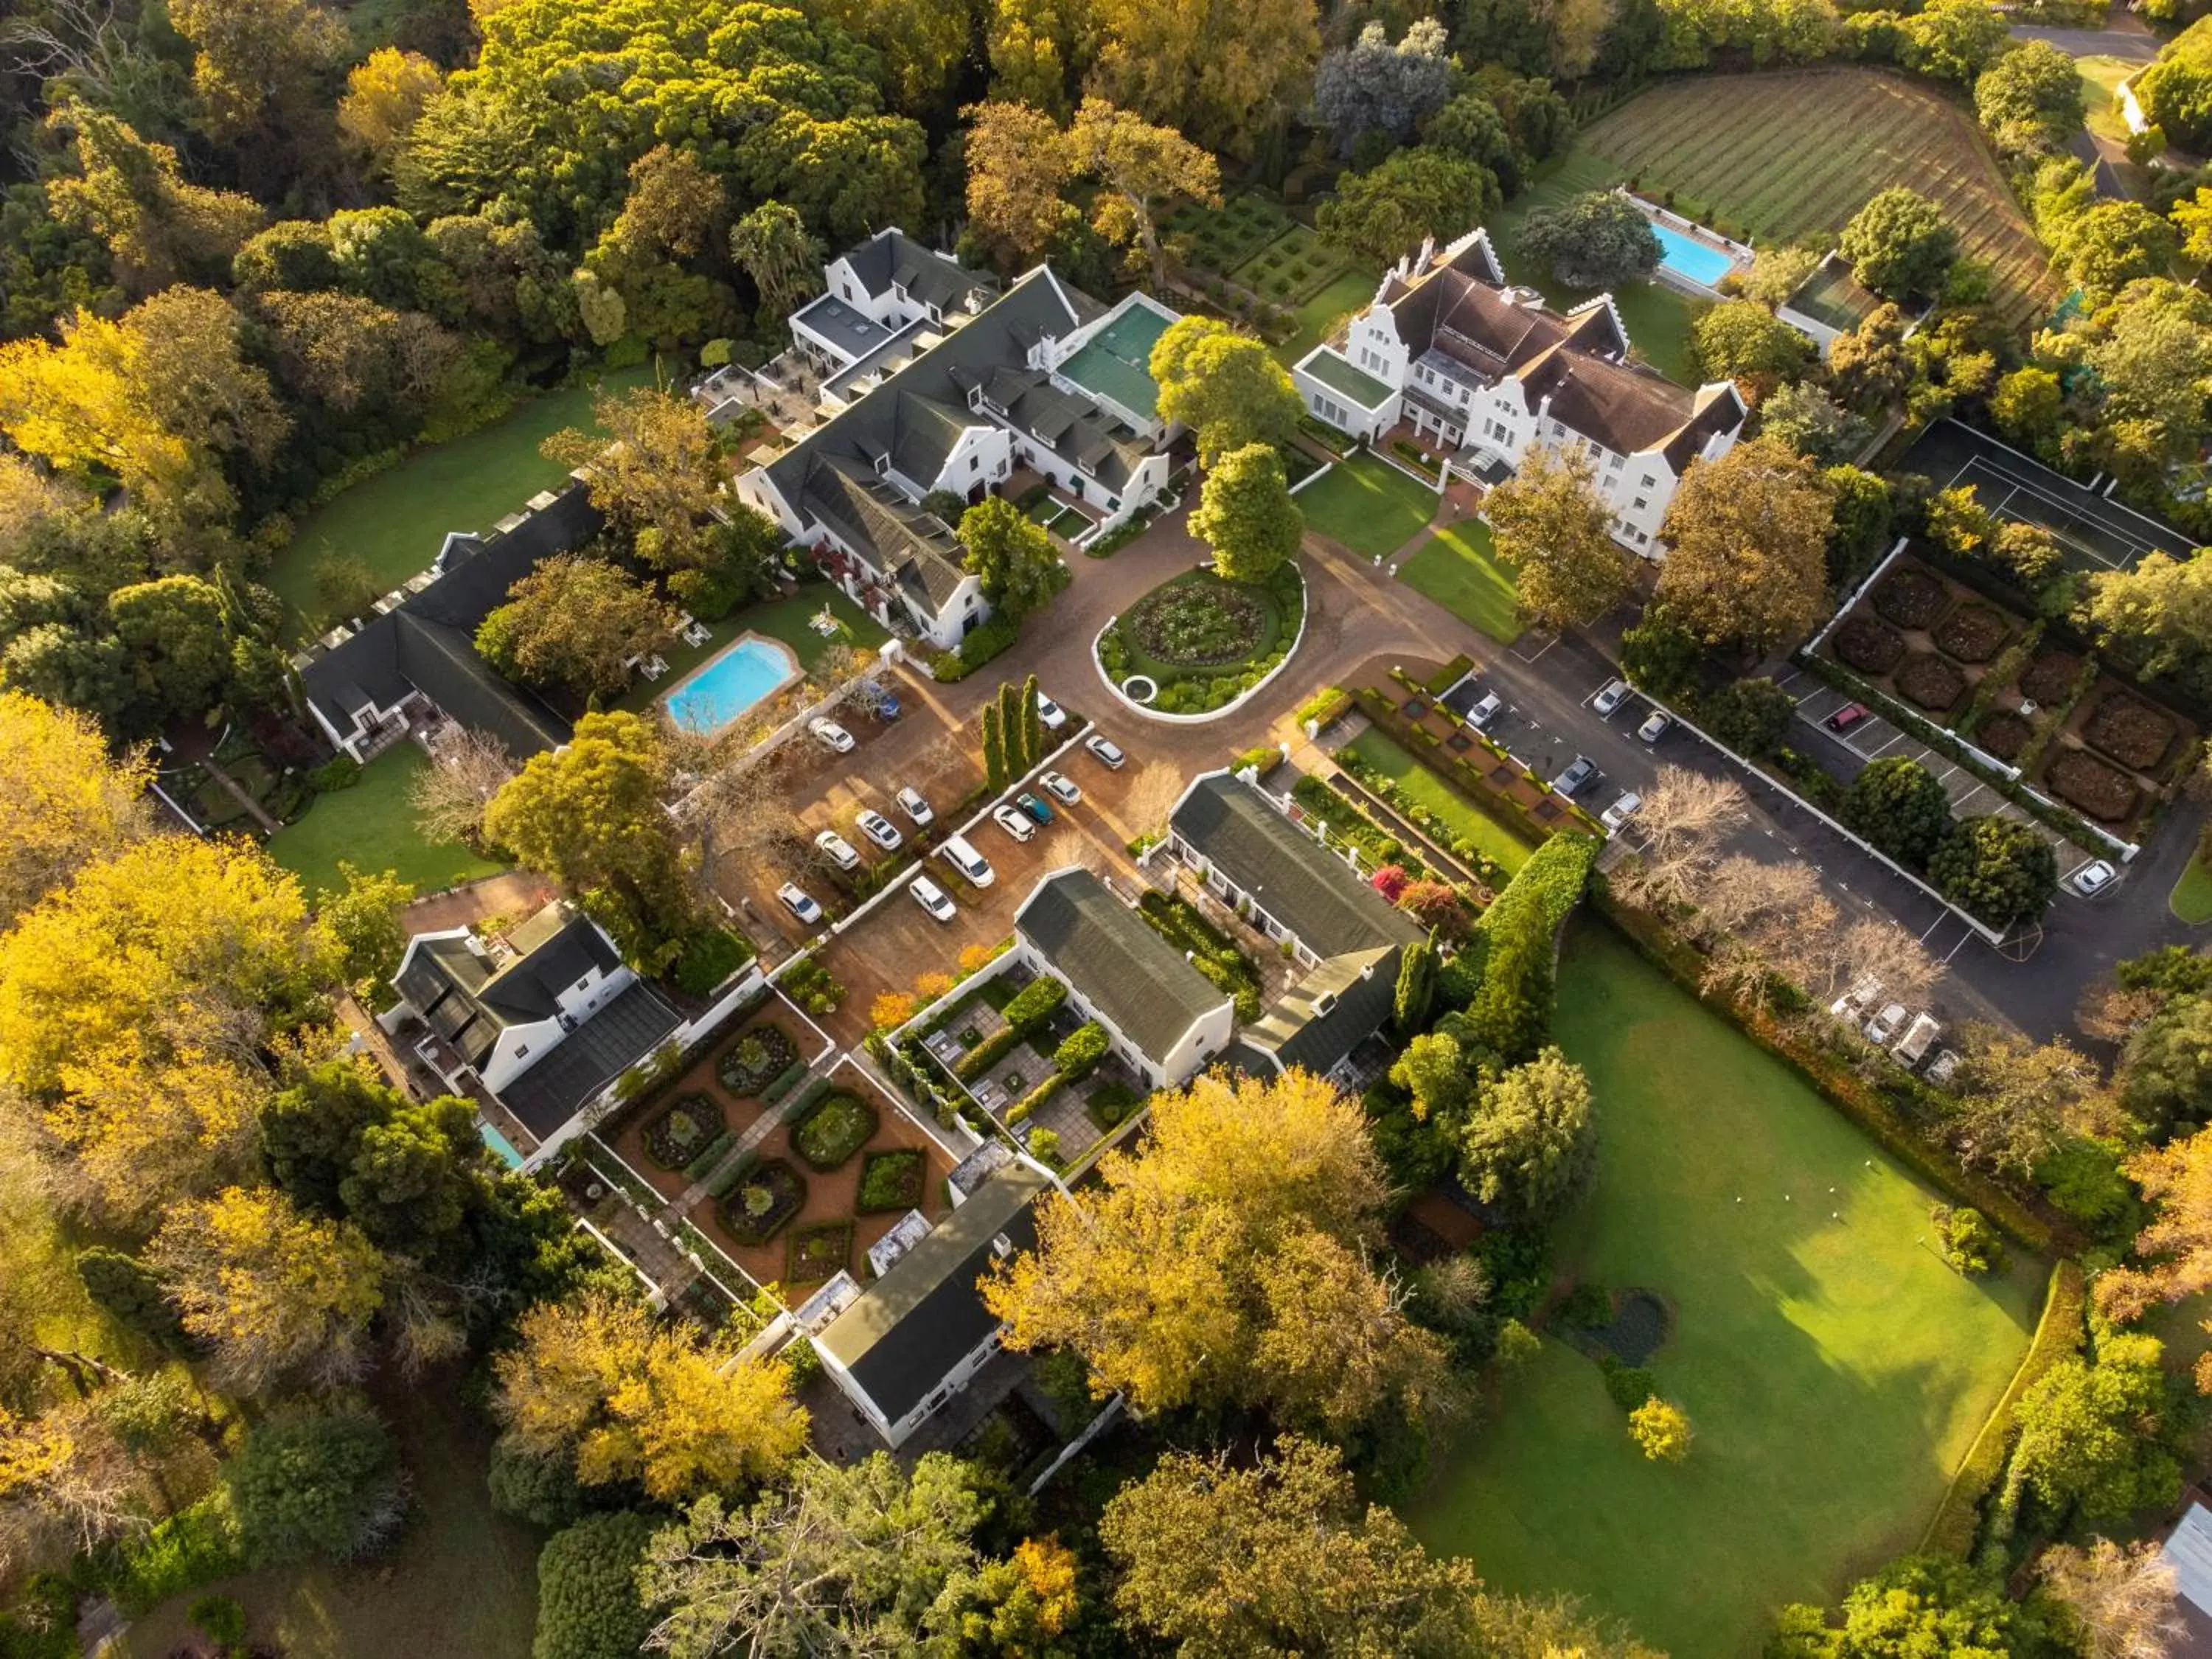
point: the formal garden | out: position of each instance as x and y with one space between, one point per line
1779 1261
1198 642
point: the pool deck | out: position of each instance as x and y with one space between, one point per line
793 675
1738 255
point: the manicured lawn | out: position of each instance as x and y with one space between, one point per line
372 827
395 522
1368 505
1464 820
1834 1369
2101 80
2192 899
1460 569
1350 292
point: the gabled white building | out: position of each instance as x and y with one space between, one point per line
1482 372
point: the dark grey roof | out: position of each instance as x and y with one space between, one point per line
1359 989
891 257
853 333
893 354
910 1328
1120 966
589 1058
459 996
1309 890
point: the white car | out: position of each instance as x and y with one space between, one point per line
1483 712
1015 821
1614 694
837 850
1856 1001
1062 789
1109 752
1883 1026
796 901
1621 810
831 736
1655 727
879 830
930 897
2092 878
1050 713
912 803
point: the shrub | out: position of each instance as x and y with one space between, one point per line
756 1060
812 986
1973 633
891 1181
1044 1147
1970 1244
1588 1307
1867 646
1661 1432
707 959
1627 1386
683 1131
1911 598
2102 790
543 1491
1080 1055
814 1254
1197 622
1324 707
1259 760
1390 881
1113 1102
758 1207
785 1080
1021 1109
588 1603
833 1130
311 1483
195 1546
1936 685
341 773
2130 731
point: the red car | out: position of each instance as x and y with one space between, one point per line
1847 717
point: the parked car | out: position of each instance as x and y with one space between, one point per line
1883 1026
973 866
2093 878
1621 810
1939 1069
1050 713
1655 726
1010 820
1580 771
1914 1044
916 806
831 736
1851 715
1856 1000
1036 808
883 700
1610 697
1109 752
1061 788
931 897
837 850
796 901
879 830
1483 712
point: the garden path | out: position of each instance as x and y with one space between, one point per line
756 1132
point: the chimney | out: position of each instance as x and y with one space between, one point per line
1428 252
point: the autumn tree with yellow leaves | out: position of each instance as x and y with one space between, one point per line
65 801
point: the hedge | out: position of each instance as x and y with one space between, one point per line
1324 707
1030 1007
786 1081
697 1168
985 642
2057 1333
1020 1110
1080 1055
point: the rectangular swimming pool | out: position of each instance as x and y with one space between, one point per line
722 689
1686 257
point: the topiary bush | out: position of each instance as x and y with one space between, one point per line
758 1207
685 1130
587 1603
756 1060
1080 1055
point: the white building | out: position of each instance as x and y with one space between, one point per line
1482 372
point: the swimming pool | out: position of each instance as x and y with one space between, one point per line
721 689
501 1147
1693 259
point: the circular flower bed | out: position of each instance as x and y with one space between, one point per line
2004 734
1973 633
1911 598
2099 789
757 1208
891 1181
1934 684
2048 680
833 1131
2130 731
1866 645
681 1133
1198 624
756 1060
1198 642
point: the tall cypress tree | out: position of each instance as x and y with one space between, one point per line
1032 723
994 750
1018 761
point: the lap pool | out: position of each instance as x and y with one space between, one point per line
1687 257
722 689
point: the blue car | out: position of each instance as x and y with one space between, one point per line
1036 808
887 704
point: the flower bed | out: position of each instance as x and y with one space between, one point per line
683 1131
891 1181
2049 680
1201 641
1911 598
1973 633
2130 731
833 1131
758 1208
2097 787
1934 684
1198 624
756 1060
814 1254
2004 734
1867 646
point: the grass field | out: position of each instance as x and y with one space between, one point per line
1423 787
1460 569
372 827
2192 898
1368 505
395 522
1834 1369
1791 156
1347 293
2101 80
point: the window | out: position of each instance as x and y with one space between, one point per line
1616 463
974 463
1557 431
1642 500
584 983
1646 482
521 1049
844 290
1641 537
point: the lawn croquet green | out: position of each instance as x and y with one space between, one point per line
1367 506
372 827
1458 567
1834 1369
1417 784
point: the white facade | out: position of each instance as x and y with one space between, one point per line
1206 1039
520 1046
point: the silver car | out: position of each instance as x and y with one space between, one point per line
879 830
915 806
796 901
1015 821
837 850
1614 693
831 736
1061 788
931 897
1883 1026
1579 772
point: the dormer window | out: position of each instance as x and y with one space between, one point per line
584 983
1324 1003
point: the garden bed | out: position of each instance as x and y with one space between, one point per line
1869 646
1911 598
891 1181
759 1206
2130 732
2094 787
1932 683
2003 734
833 1131
1202 641
756 1060
683 1131
1973 633
814 1254
2049 680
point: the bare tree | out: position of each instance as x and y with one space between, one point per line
2121 1595
66 1480
2017 1099
1684 818
466 769
1151 796
80 43
1872 948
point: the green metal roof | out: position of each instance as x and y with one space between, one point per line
1116 362
1339 373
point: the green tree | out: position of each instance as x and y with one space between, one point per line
412 1176
1864 512
1750 716
131 194
311 1129
2029 101
1935 1605
1530 1144
1032 724
588 1603
1899 245
1417 987
773 245
1954 40
366 918
1383 214
1227 388
1897 804
1019 567
1019 757
1660 654
311 1483
1551 525
2114 243
2095 1434
1246 515
1742 340
1999 868
1439 1074
1595 240
994 750
1747 536
1811 422
2026 404
131 1291
575 622
2164 1075
2160 611
177 630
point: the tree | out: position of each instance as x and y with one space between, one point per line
1897 804
1031 45
1530 1144
2121 1597
2114 243
773 245
2093 1433
1660 1430
1659 654
365 919
411 1178
1807 419
1032 723
589 816
1371 86
133 196
273 1293
68 1483
588 1603
1138 165
1019 567
1899 245
176 629
1970 1245
634 1399
64 802
129 1289
147 1127
2172 1257
1018 161
1751 716
257 64
2029 101
1417 987
449 795
994 749
2166 1068
308 1484
1872 367
1168 64
1551 525
1225 387
1279 1557
654 473
2160 609
1438 1072
1999 868
1742 340
385 94
1747 536
1019 757
1595 240
1246 515
2018 1101
575 622
1930 1604
1386 212
1954 40
1469 125
1778 271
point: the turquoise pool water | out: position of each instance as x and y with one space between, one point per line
721 690
501 1147
1693 259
